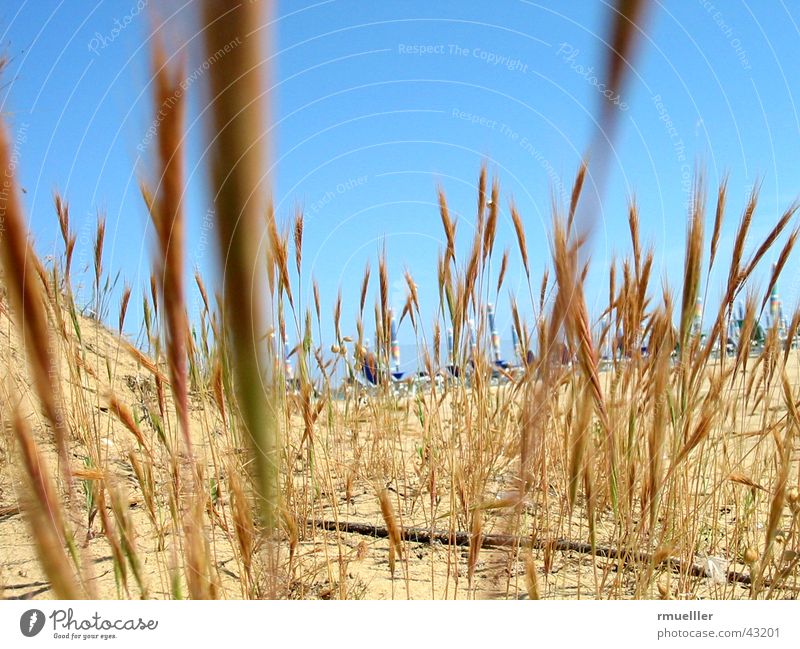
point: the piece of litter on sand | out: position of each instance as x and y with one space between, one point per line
717 569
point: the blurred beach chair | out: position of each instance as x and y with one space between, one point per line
372 377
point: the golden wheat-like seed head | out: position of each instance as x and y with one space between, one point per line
448 225
502 273
337 316
491 222
412 288
317 307
719 216
519 228
577 186
123 307
364 286
482 178
99 240
298 239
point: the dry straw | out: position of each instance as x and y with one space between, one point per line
238 143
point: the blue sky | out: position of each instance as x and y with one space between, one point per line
375 103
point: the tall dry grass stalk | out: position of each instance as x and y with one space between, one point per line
165 204
167 212
392 525
692 262
626 24
237 132
620 431
448 224
44 513
641 452
491 223
279 249
68 237
24 289
519 228
719 216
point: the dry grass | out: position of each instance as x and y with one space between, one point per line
187 466
693 458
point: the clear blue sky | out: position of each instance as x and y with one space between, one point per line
366 126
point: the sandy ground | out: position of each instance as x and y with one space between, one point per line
326 564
